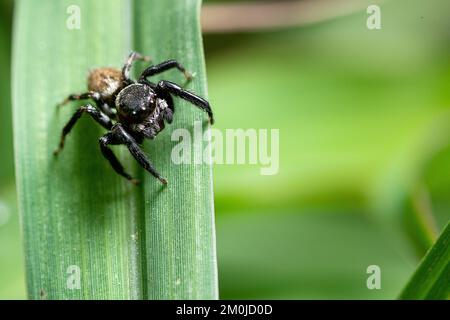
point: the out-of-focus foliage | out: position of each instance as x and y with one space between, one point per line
362 118
12 274
6 164
12 282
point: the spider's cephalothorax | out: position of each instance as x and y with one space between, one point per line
131 111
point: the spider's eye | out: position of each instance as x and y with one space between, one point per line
135 103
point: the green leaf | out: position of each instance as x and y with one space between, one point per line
183 214
80 218
431 280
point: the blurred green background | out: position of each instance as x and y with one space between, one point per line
364 176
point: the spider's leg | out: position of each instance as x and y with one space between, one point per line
82 96
164 66
106 109
97 115
168 112
94 96
123 137
134 56
176 90
111 139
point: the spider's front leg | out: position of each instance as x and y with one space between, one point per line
119 135
111 139
176 90
164 66
97 115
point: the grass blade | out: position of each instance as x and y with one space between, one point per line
431 280
80 220
75 213
181 261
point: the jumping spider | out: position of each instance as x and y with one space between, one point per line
130 110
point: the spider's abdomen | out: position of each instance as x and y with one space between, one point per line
106 81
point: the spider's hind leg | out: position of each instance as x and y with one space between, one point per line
82 96
102 105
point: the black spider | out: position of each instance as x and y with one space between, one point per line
131 111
